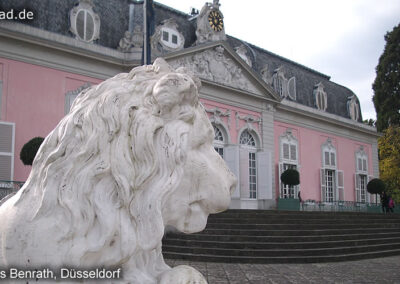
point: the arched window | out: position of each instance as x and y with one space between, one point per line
248 158
247 139
219 141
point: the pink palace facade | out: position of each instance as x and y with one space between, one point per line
269 113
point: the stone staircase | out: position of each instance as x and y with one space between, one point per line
260 236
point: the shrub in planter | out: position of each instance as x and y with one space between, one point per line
290 177
376 186
29 150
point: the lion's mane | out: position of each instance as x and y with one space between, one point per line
112 160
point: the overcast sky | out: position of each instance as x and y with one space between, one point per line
340 38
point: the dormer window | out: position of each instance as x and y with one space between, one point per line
170 38
85 23
284 87
167 37
353 108
320 97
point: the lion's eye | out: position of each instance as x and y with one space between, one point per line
172 82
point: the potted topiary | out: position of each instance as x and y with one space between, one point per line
29 150
376 186
290 177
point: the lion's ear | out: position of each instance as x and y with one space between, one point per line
173 94
196 80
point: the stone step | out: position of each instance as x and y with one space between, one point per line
295 232
281 252
283 220
281 239
277 244
257 236
281 259
315 226
301 215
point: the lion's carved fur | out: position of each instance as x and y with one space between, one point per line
101 185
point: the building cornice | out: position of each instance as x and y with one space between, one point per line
67 44
321 116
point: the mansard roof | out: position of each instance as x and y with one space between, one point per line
53 16
306 78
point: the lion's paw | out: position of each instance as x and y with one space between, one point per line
182 274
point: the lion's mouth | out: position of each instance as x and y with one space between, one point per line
196 217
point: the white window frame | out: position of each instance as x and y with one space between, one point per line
248 166
292 161
330 169
361 174
279 83
218 144
286 191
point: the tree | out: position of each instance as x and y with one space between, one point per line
389 163
387 82
29 150
369 122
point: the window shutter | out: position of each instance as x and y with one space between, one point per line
340 183
7 133
280 171
244 173
231 157
264 174
286 151
293 152
357 187
323 186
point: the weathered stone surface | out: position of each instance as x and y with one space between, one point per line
134 155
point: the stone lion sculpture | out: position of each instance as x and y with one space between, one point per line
134 155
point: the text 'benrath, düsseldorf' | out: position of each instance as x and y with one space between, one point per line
62 273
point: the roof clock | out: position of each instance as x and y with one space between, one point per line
215 20
210 23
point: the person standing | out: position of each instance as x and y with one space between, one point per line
390 204
384 200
